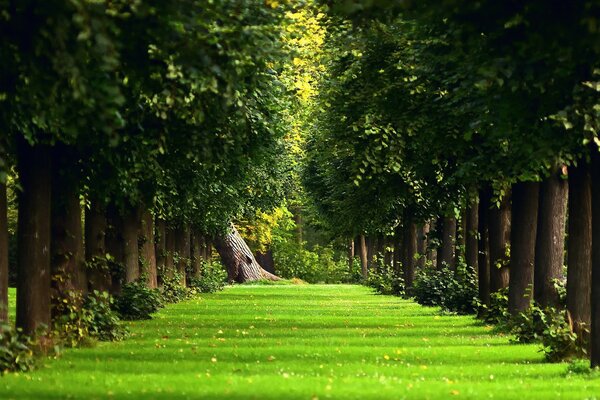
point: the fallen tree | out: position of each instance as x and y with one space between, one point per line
239 260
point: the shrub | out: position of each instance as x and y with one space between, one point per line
453 291
213 278
104 323
16 354
386 281
497 312
172 291
137 301
70 319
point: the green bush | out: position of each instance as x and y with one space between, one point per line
104 323
172 291
386 281
137 301
453 291
71 321
16 354
212 279
497 312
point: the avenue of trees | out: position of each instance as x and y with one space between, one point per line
467 130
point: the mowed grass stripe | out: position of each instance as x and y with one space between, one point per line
304 342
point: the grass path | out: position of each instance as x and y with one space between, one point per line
302 342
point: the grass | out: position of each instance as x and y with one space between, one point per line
302 342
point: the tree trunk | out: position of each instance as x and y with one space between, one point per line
148 250
461 240
422 232
297 213
595 327
447 251
351 256
95 248
388 254
523 235
266 260
3 255
410 248
579 271
33 253
483 259
364 260
550 241
398 253
471 235
197 253
114 247
209 250
170 250
238 259
160 249
182 247
131 255
68 267
499 238
432 255
371 252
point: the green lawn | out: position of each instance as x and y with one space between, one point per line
305 342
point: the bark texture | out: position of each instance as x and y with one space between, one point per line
266 260
351 255
364 261
499 238
160 248
483 259
95 248
523 235
197 253
595 327
446 255
131 254
182 243
550 241
3 255
33 253
239 260
471 236
422 232
147 250
579 257
114 247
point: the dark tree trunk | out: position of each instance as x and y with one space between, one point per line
398 252
148 250
351 256
131 254
68 267
197 253
238 259
550 241
170 250
160 249
579 271
182 243
364 260
461 244
3 255
388 253
371 252
431 251
33 253
410 248
114 247
266 261
595 327
499 238
446 257
471 235
523 235
483 261
209 250
422 232
95 247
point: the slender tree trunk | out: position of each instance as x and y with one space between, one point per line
398 252
68 267
238 259
483 261
3 255
114 247
471 235
432 255
410 248
95 247
422 232
364 257
182 243
579 271
131 255
160 249
447 253
209 250
371 250
351 256
461 245
550 241
595 328
170 250
388 253
148 250
499 238
197 253
523 235
33 253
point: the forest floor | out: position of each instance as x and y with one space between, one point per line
302 342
